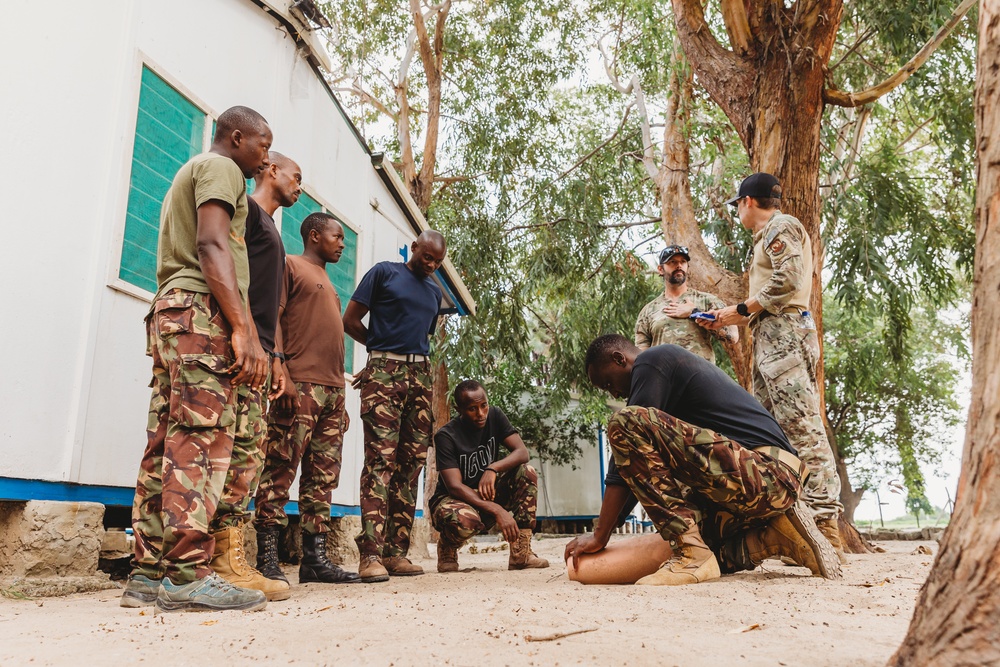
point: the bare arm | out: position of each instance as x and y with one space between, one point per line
353 325
518 456
220 274
614 501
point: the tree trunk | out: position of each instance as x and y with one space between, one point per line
442 415
958 611
677 218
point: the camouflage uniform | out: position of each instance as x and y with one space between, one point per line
245 463
654 327
516 492
396 411
733 488
314 437
786 354
192 420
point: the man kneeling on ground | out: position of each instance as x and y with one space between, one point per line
475 490
710 465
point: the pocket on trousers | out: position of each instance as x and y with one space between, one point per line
777 363
172 313
203 395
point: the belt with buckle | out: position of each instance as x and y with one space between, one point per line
408 358
789 460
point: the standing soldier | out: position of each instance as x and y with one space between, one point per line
312 335
404 302
667 318
206 359
785 346
277 186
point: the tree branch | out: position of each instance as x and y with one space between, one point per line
635 88
840 98
734 15
367 98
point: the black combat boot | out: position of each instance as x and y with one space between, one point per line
267 553
317 567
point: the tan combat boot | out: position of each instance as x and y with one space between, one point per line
447 557
400 566
371 570
521 555
831 531
230 562
795 536
692 563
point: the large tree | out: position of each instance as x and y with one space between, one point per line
958 611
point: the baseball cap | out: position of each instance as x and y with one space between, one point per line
672 250
760 185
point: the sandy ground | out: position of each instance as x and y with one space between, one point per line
777 615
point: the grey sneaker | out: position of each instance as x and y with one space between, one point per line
213 593
140 591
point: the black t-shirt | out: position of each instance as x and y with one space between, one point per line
470 449
266 254
685 386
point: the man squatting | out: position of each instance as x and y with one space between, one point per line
403 302
476 488
785 344
208 366
689 424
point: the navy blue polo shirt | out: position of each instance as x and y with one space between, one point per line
403 308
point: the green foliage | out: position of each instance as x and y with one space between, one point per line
891 417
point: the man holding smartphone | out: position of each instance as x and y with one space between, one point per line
667 319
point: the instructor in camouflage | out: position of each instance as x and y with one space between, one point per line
709 464
785 345
207 361
667 318
403 302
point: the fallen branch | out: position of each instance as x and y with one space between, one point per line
558 635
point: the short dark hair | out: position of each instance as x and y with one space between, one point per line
275 158
462 388
244 119
318 221
602 347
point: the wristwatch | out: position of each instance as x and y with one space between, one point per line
741 308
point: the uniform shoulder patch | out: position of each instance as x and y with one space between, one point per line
777 246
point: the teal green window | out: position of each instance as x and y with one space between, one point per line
341 274
169 131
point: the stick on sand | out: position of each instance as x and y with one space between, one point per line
558 635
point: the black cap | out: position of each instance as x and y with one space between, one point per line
672 250
759 185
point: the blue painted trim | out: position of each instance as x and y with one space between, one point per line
13 489
600 456
451 294
34 489
404 252
571 517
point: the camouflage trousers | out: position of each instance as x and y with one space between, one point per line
245 462
396 412
730 488
785 357
516 492
193 414
314 438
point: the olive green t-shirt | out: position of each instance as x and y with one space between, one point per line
203 178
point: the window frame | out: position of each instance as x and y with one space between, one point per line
143 61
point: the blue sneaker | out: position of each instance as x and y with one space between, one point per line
140 591
213 593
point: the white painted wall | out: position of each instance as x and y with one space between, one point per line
74 402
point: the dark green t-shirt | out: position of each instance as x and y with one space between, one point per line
203 178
